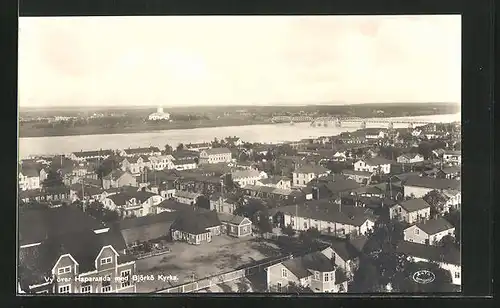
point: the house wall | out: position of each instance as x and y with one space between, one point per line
301 179
275 276
418 192
303 223
410 234
454 159
361 166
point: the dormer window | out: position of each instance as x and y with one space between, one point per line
64 270
107 260
316 276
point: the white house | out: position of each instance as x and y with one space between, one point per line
306 173
328 218
140 203
281 182
375 135
446 257
316 271
248 177
452 157
429 232
149 151
159 115
419 186
29 178
410 158
215 155
185 164
84 155
198 146
410 211
373 164
161 162
186 197
340 156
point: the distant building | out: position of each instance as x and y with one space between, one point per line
373 164
159 115
216 155
306 173
410 158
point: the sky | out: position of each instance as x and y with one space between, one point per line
237 60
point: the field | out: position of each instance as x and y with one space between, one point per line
189 262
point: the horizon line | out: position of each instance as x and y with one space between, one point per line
244 105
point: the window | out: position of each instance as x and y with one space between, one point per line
125 278
106 260
326 277
64 289
106 284
316 275
86 288
279 287
64 270
284 273
417 231
457 275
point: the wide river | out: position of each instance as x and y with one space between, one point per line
266 133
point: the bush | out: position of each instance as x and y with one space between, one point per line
288 230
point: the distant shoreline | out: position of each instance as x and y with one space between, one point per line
29 132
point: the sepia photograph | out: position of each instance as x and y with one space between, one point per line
239 154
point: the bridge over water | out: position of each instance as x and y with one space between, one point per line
339 122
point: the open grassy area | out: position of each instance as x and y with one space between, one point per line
190 262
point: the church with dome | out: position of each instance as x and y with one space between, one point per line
159 115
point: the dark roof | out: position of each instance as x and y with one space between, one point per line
122 197
448 255
216 151
413 205
328 211
141 150
344 249
358 242
36 225
136 222
436 183
84 246
336 185
274 180
433 226
316 169
375 161
452 169
315 261
369 190
173 205
93 153
184 161
30 170
229 218
115 174
355 172
195 221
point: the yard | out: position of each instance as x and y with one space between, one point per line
189 262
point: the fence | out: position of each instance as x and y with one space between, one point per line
222 278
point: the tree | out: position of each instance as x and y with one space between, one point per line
203 202
168 149
53 180
288 230
180 147
263 224
366 277
298 289
310 235
454 218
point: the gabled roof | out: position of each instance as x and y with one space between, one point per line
84 246
336 185
29 171
186 194
344 249
274 180
451 170
448 255
121 198
115 174
216 151
93 153
173 205
328 211
376 161
148 220
181 162
242 174
142 150
435 183
358 173
433 226
410 155
232 219
315 261
316 169
195 221
455 153
36 225
413 205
